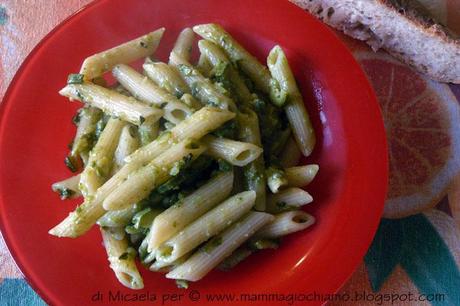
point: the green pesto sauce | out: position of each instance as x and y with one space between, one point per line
71 163
75 78
184 69
65 193
129 254
212 244
181 284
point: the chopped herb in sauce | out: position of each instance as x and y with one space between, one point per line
277 95
76 118
262 244
129 254
71 163
179 165
184 69
224 166
75 78
212 244
65 193
228 130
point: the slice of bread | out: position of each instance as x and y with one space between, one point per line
398 26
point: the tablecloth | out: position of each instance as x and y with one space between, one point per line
415 256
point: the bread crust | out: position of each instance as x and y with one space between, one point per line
400 27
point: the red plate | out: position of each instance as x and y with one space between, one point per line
351 151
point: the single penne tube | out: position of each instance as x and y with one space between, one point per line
100 159
68 188
121 259
80 220
220 247
181 214
286 223
237 153
287 199
184 43
254 172
112 103
295 108
291 154
216 56
127 144
302 175
258 73
276 178
143 89
139 185
202 88
167 77
196 126
83 142
206 226
97 64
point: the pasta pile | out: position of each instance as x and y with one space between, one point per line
189 167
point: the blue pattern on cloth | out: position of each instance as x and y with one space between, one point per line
16 292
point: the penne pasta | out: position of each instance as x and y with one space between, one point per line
295 109
178 216
112 103
217 58
184 42
288 199
174 168
196 126
127 144
249 64
235 258
167 77
119 218
97 64
201 122
83 142
301 176
254 172
286 223
139 184
68 188
235 152
148 132
202 88
145 90
276 178
291 154
203 65
117 233
101 158
206 226
220 247
161 266
190 101
121 258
